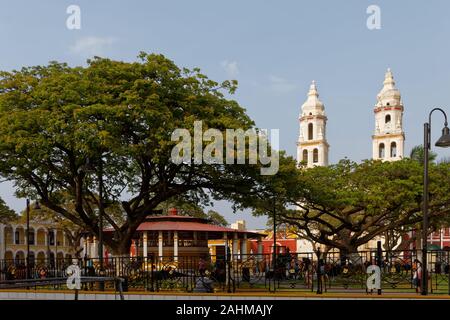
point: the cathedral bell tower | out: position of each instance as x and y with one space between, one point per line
312 145
389 138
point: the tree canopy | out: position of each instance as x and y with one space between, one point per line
64 131
347 204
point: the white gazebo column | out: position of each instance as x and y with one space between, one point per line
441 238
225 242
64 238
144 243
160 244
260 249
244 246
84 245
175 246
87 253
235 244
94 248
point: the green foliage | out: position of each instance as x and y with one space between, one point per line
216 218
417 153
191 208
62 129
347 204
6 214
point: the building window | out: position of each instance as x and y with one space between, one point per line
51 238
387 119
393 149
315 155
31 237
17 237
305 155
310 131
381 151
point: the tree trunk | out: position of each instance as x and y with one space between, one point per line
122 249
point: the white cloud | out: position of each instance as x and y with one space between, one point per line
281 85
231 68
92 46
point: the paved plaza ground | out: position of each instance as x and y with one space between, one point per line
94 295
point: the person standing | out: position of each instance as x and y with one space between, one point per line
417 275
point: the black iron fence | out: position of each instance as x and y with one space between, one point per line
330 272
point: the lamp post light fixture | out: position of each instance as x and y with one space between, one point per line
443 141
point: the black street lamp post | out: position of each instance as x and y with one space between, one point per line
100 211
89 168
28 239
36 207
444 141
274 243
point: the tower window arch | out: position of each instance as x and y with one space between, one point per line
393 149
310 131
305 155
315 155
387 119
381 150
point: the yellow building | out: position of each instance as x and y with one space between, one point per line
45 242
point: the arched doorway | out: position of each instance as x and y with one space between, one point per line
20 257
41 258
19 236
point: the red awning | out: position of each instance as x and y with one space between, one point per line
190 226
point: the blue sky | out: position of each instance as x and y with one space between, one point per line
274 49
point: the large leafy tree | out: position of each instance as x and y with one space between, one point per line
347 204
66 131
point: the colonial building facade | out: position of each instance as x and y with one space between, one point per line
45 240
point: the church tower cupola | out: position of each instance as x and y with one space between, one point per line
312 146
389 138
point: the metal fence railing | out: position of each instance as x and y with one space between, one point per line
298 271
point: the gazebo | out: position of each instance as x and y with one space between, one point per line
176 236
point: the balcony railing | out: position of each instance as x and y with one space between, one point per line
181 243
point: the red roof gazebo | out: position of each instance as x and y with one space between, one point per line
176 236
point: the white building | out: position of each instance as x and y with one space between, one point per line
312 145
389 138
